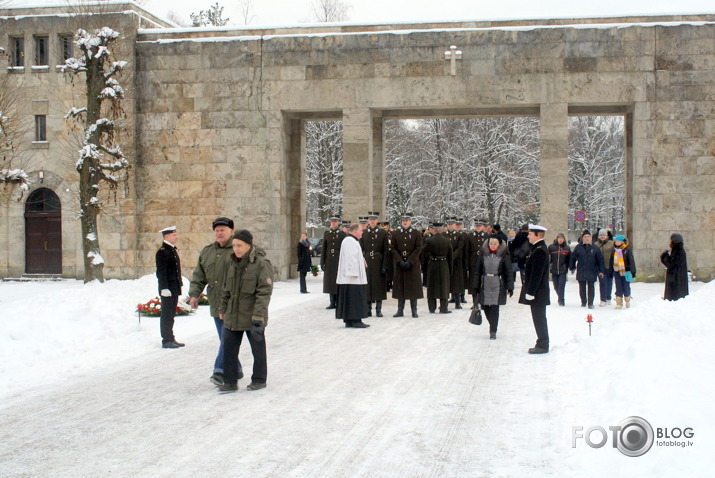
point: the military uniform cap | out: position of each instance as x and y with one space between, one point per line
168 230
537 228
362 219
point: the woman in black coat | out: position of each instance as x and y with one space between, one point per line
493 280
559 256
304 262
676 264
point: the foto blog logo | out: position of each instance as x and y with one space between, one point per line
633 436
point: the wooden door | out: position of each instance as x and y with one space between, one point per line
43 233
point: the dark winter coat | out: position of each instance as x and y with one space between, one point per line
168 269
472 246
628 261
587 261
439 268
304 261
376 250
559 255
406 246
676 274
329 259
210 272
493 276
247 291
456 280
536 276
519 248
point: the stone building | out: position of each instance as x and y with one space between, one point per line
216 118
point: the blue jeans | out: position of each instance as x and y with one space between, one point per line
605 285
623 287
559 281
218 364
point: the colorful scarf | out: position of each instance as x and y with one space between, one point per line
619 264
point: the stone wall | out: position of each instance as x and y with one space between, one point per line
219 117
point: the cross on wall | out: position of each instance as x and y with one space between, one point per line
453 55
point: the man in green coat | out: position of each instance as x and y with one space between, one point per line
209 273
243 308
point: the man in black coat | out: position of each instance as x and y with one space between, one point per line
406 249
535 290
168 273
587 262
439 269
376 248
456 280
519 249
329 259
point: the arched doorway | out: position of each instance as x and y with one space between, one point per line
43 233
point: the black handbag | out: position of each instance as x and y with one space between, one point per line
476 316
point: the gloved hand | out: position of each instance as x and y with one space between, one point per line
322 267
383 271
404 265
258 328
510 292
165 293
529 297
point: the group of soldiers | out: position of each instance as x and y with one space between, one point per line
441 258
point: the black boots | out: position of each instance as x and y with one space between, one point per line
333 300
413 306
378 308
400 308
443 306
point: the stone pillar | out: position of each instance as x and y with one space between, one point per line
379 198
554 141
357 163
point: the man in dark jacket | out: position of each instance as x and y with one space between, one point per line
439 269
376 247
587 262
473 246
519 249
329 259
210 272
535 290
456 280
675 261
407 279
168 272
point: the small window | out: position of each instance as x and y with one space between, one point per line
67 46
18 51
40 128
42 56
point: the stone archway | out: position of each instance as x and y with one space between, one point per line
43 233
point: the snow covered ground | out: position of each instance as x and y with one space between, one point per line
87 390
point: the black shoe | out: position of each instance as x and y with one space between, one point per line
331 306
348 325
414 315
538 350
458 306
304 292
360 325
179 344
432 311
228 387
171 345
590 306
217 378
561 303
583 305
378 314
255 386
492 335
399 314
445 311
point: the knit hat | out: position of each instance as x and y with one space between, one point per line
244 235
586 231
676 238
620 238
602 232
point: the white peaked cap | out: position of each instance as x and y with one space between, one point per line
537 228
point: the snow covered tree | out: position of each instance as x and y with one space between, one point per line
213 16
12 129
324 170
596 170
101 160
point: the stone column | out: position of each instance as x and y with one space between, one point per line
554 141
357 163
379 199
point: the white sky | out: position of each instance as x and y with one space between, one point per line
282 12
